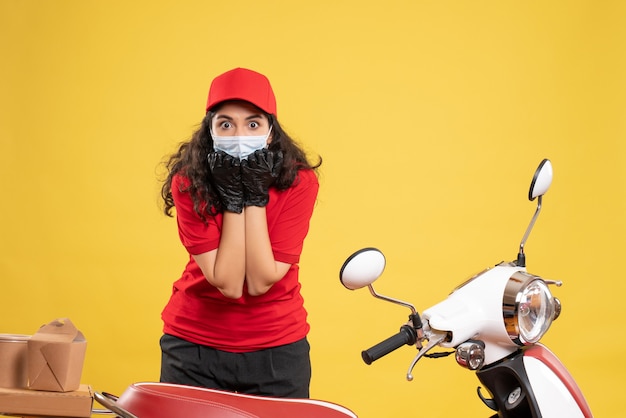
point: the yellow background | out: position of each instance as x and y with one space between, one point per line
431 117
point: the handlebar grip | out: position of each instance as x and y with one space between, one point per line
406 336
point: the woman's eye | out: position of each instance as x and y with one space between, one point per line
225 125
254 125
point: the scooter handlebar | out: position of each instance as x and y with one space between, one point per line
406 336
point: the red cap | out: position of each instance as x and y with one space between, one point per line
242 84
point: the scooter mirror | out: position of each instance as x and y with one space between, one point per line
541 180
362 268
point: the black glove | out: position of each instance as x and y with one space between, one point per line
258 173
226 172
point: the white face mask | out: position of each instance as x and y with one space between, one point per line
240 146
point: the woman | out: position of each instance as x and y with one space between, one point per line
244 193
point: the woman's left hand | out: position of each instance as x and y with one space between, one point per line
258 173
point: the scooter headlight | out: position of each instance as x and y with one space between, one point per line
528 308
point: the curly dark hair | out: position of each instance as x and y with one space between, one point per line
190 161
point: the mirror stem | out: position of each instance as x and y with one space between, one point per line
521 257
392 300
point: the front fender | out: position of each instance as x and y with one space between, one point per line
534 383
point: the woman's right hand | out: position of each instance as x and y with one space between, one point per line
226 172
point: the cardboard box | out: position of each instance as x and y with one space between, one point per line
13 353
56 354
26 402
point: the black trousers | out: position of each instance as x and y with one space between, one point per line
283 371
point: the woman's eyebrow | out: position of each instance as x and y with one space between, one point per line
255 116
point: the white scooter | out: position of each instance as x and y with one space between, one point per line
494 322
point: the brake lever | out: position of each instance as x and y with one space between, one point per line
435 339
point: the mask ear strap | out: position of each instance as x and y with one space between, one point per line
267 137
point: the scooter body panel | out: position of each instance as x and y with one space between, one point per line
474 311
555 389
533 383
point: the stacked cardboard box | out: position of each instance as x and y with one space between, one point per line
41 373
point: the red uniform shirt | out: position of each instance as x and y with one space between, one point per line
199 313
